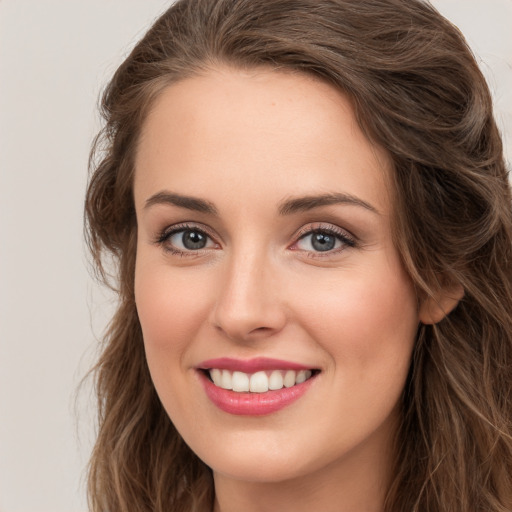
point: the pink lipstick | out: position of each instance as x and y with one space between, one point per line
254 387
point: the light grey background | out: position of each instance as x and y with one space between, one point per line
55 57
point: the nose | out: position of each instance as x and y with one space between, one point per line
249 304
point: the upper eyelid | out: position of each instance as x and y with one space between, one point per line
176 228
328 227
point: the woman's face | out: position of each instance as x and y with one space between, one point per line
264 258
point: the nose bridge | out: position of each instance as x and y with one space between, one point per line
248 303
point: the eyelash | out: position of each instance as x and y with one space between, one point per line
167 233
346 239
343 236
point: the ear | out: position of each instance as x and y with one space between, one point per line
434 308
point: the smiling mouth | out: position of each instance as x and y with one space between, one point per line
258 382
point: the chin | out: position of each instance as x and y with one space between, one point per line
261 457
258 469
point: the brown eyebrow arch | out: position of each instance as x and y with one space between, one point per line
190 203
302 204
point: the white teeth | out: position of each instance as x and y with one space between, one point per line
289 379
301 377
240 381
276 380
226 381
216 376
259 382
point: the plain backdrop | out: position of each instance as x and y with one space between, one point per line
55 58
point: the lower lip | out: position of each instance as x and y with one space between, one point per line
253 404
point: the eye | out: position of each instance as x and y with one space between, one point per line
189 240
318 241
323 240
183 239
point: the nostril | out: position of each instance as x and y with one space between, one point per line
261 329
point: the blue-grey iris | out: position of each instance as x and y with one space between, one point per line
323 241
193 240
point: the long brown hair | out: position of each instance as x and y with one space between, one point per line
419 94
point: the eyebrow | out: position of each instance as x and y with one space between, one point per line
288 207
188 202
305 203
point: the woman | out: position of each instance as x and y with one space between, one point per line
309 209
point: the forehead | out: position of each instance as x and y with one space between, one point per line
260 131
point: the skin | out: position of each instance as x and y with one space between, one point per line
245 142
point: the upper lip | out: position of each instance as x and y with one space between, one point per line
251 365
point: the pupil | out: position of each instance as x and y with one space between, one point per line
323 242
193 240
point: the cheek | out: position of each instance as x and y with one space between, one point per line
170 307
366 321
